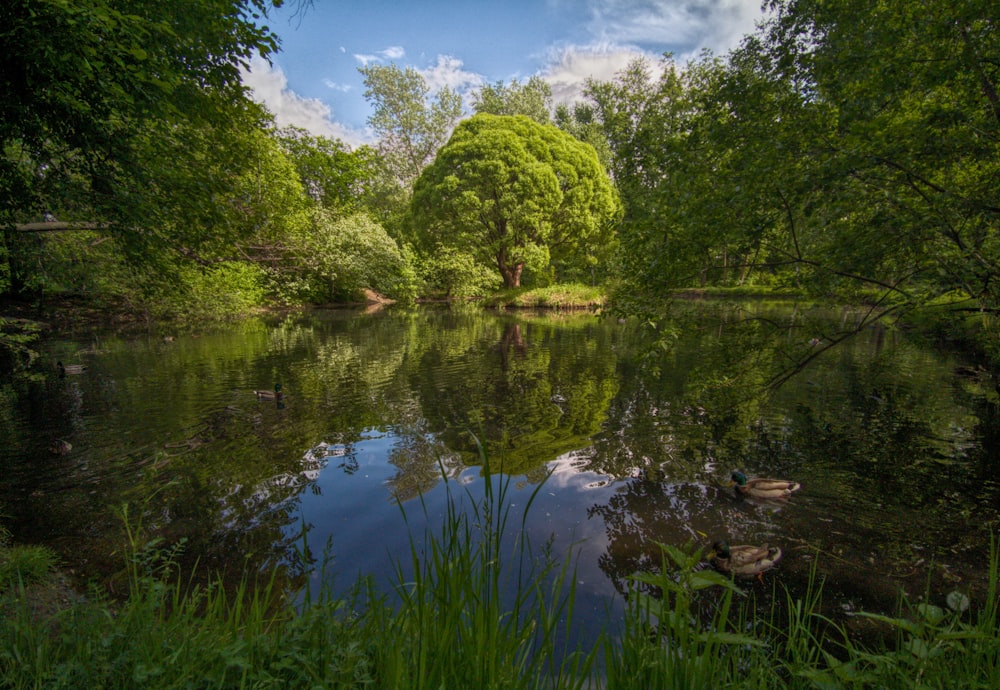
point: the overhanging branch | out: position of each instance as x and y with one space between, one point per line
60 226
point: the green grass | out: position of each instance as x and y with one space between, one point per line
466 612
563 296
25 565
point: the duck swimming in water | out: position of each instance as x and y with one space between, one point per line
768 489
60 447
276 394
743 560
70 368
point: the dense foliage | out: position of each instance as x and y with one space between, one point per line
513 192
845 149
841 150
114 109
532 99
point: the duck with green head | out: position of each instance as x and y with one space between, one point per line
276 394
758 487
743 560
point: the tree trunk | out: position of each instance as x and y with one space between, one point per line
512 275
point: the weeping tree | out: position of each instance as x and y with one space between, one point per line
514 193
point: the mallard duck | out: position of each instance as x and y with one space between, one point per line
60 447
276 394
70 368
743 560
770 489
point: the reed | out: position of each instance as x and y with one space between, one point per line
667 641
470 614
472 607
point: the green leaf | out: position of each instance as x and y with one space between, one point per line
932 614
901 623
731 638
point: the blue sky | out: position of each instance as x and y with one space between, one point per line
314 81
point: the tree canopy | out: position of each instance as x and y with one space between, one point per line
514 192
83 80
532 98
842 148
411 123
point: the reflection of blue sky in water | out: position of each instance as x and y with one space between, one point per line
354 512
882 432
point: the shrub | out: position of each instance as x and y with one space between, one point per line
340 257
223 291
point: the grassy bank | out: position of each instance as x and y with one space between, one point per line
466 614
562 296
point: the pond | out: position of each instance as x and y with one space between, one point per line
618 442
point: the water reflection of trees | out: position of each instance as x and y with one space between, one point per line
877 428
528 394
872 417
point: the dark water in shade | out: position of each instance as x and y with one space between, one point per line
894 444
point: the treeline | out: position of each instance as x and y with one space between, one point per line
841 149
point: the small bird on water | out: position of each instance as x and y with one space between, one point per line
60 447
276 394
759 487
70 368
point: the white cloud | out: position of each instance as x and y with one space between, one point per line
270 87
390 53
622 30
569 68
448 72
689 25
331 84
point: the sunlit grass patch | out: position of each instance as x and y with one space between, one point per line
561 296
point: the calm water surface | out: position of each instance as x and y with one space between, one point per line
893 442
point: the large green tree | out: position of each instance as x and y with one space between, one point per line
842 147
912 154
410 121
83 78
514 192
125 114
532 98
